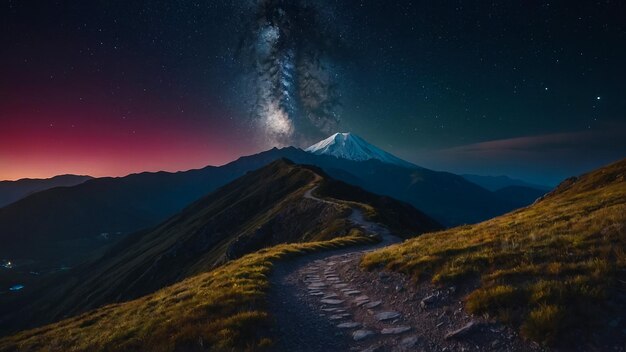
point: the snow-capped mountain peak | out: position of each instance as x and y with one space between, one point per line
350 146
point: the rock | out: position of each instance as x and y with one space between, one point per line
349 325
409 341
337 316
428 300
361 334
332 301
495 343
387 315
396 330
463 331
399 288
372 305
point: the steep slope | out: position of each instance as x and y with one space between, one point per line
352 147
11 191
556 270
263 208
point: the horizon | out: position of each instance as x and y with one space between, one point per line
235 158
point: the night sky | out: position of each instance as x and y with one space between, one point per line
532 89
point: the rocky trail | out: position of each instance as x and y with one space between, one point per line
325 302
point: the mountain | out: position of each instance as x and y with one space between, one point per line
447 197
352 147
556 270
494 183
11 191
61 226
263 208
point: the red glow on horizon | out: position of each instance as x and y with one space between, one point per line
89 142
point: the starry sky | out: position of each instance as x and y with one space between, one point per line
532 89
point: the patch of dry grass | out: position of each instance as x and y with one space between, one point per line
546 268
221 310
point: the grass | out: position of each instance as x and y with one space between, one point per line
221 310
548 269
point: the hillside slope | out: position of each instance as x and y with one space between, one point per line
221 310
263 208
556 270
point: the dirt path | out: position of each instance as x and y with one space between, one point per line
324 302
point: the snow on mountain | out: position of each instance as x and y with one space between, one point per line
352 147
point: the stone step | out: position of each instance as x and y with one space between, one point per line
382 316
373 305
395 331
362 334
332 301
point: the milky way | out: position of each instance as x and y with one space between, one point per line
287 51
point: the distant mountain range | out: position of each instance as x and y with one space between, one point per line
62 225
11 191
494 183
260 209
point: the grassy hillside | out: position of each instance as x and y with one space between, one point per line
221 310
263 208
556 270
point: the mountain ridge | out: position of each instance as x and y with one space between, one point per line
12 191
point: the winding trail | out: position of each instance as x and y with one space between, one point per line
324 302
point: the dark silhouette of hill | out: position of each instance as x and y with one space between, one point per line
11 191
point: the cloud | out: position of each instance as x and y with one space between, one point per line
540 158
